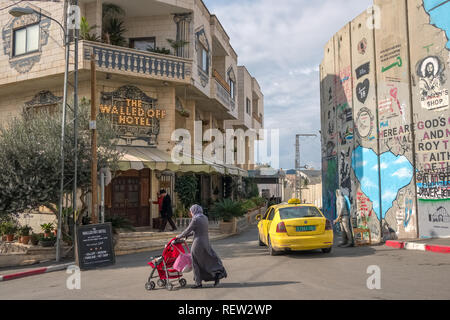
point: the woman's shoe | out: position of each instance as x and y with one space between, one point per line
197 286
216 281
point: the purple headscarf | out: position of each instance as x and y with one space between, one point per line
196 210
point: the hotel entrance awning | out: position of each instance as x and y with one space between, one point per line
139 158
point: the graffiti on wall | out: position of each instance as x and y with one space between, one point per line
433 148
331 184
433 94
365 124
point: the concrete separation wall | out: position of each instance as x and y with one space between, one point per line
386 120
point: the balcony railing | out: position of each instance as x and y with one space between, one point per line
258 118
140 63
221 92
222 95
221 80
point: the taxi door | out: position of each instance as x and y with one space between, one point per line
262 226
268 224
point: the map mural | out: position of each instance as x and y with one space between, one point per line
439 11
396 173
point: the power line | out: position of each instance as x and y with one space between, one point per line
11 5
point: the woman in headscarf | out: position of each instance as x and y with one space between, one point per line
206 264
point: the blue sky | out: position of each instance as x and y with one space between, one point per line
281 44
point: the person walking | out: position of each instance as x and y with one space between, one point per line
206 264
166 211
343 210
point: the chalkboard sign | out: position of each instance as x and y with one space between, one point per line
95 246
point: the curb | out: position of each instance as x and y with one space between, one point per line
35 272
418 246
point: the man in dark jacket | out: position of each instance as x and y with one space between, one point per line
166 211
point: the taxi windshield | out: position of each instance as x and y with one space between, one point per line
299 212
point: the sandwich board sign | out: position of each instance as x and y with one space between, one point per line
95 246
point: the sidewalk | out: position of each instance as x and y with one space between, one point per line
430 245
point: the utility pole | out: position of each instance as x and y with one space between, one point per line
298 167
93 128
73 22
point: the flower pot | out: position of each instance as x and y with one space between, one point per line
25 239
47 243
9 237
47 235
226 227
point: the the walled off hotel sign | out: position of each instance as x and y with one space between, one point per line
134 114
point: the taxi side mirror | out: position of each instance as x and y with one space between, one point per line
258 217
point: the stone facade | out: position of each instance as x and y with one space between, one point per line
178 84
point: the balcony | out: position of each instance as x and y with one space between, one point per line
126 61
220 91
257 121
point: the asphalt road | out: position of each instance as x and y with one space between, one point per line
254 275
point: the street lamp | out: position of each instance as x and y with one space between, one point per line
18 12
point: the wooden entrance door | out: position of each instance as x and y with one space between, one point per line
126 199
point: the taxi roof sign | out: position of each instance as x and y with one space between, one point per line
295 201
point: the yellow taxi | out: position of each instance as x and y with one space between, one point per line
294 227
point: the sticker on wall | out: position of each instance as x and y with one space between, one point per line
362 46
433 95
362 91
363 70
365 123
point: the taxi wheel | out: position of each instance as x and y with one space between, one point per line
261 244
327 250
272 252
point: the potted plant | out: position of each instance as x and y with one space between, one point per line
47 228
48 241
226 211
35 238
9 229
25 234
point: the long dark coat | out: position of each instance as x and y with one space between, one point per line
166 210
206 263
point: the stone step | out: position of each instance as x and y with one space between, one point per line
147 235
153 245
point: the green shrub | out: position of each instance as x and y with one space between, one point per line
9 227
227 209
186 187
259 201
120 223
35 238
25 231
47 227
248 205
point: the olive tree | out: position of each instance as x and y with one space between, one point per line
30 159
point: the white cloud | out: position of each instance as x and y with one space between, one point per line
403 173
401 160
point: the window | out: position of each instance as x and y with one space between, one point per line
143 44
204 60
271 215
266 214
26 40
232 88
299 212
249 106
